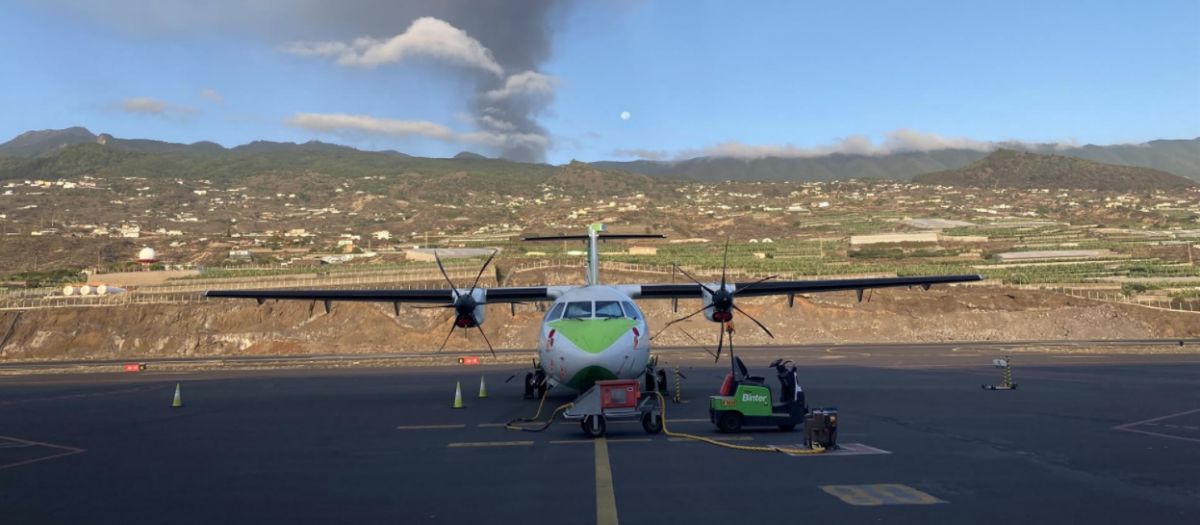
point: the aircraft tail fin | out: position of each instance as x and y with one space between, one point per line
593 252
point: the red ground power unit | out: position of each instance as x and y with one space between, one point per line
622 393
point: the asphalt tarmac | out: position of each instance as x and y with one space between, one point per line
901 350
1085 438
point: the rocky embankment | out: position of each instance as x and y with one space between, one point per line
242 327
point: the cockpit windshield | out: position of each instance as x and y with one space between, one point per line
578 310
608 309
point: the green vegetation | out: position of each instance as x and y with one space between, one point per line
1181 157
1136 288
94 159
43 278
1023 170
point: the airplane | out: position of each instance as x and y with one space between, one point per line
593 332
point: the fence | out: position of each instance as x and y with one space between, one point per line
408 279
1107 294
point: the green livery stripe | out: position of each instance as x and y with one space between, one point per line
584 379
593 335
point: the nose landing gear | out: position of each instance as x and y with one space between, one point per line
535 384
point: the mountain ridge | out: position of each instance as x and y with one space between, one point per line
1179 157
1005 168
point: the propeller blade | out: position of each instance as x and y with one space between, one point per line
429 307
753 284
685 274
725 262
694 340
720 341
684 318
760 325
485 339
443 269
485 265
448 334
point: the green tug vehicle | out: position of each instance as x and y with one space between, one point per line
748 401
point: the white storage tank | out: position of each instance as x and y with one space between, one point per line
147 255
106 289
70 290
86 290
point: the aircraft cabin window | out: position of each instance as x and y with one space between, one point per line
578 310
608 309
555 312
631 311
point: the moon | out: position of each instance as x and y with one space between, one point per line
625 115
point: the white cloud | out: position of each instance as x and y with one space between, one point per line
897 141
426 37
342 123
212 95
150 106
530 83
647 154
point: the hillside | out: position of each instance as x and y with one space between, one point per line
102 160
1018 169
34 143
1180 157
434 180
582 176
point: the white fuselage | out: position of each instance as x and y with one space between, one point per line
593 333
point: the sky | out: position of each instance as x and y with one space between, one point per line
551 80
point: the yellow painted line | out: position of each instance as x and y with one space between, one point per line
624 440
734 438
428 427
492 444
606 499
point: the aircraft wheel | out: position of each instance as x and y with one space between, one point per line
730 422
652 423
662 380
539 384
530 385
594 426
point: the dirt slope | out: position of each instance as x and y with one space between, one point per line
243 327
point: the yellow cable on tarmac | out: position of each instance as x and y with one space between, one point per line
534 419
817 449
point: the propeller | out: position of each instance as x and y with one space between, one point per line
721 305
464 305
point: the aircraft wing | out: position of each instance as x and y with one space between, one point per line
693 291
436 296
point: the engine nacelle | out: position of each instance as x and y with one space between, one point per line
718 309
470 308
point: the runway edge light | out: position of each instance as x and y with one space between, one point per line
178 402
482 388
458 403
